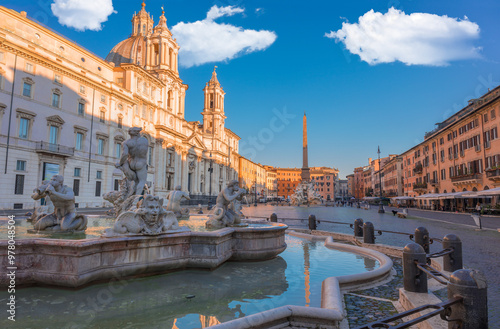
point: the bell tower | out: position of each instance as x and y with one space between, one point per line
142 23
213 111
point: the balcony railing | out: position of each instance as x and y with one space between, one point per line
433 182
465 178
44 147
418 169
419 186
493 174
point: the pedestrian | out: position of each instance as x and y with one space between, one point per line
478 208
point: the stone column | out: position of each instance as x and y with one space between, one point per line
184 170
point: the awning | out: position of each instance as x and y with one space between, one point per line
455 195
484 193
403 198
370 198
434 196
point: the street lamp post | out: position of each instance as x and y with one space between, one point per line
380 205
255 203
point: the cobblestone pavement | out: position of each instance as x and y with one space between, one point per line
367 305
481 248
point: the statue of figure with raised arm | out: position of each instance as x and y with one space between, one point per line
44 210
174 203
224 215
64 217
133 161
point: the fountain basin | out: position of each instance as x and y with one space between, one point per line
74 263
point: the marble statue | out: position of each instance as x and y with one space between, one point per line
44 210
225 213
174 203
148 219
305 194
64 217
133 161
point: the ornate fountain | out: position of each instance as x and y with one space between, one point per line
146 238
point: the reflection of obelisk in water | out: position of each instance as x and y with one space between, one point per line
307 278
306 176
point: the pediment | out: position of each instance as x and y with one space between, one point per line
55 119
196 141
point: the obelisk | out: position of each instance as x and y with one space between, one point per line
305 175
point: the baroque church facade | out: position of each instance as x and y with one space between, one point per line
64 110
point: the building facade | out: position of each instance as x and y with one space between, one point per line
350 185
461 156
253 178
64 110
324 180
288 179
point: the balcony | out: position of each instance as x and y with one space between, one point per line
419 187
418 169
433 182
493 174
466 179
44 147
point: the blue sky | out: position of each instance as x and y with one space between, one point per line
414 70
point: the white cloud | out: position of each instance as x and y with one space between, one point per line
82 14
206 41
216 12
415 39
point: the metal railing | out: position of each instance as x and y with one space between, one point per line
54 148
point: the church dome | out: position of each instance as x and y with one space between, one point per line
128 51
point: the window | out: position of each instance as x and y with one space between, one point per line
98 188
151 115
485 117
29 68
150 156
82 89
21 165
81 109
492 114
19 185
77 172
103 98
53 134
100 146
98 174
23 128
119 80
102 117
76 187
118 149
56 100
57 79
120 122
27 89
136 110
117 185
79 141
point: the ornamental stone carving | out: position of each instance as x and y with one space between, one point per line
148 219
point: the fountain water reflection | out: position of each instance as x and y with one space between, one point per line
233 290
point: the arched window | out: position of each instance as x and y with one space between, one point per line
144 29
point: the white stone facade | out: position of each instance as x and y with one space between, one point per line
70 110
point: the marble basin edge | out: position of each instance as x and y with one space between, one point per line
76 263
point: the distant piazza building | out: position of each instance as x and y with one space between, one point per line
457 159
64 110
324 181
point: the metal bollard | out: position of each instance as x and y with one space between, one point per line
414 279
312 222
358 227
473 311
422 238
453 261
368 233
274 218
